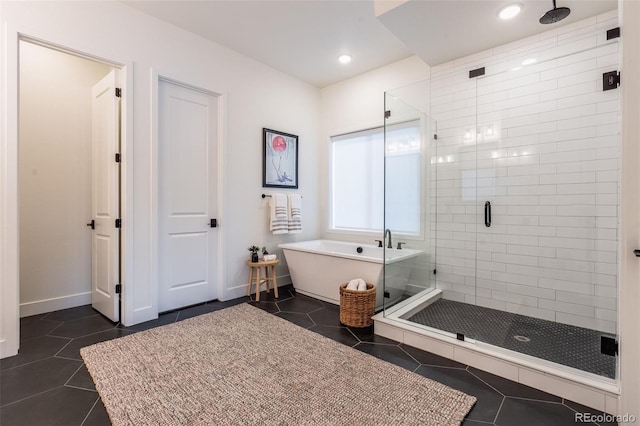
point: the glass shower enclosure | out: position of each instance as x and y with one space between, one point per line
408 134
517 217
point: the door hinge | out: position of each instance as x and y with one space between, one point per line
387 294
118 223
387 114
118 288
117 157
608 346
476 73
460 336
434 272
613 33
610 80
435 137
118 92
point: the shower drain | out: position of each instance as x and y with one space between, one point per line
522 338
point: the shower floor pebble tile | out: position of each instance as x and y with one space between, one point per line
564 344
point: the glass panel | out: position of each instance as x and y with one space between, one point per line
450 164
548 164
535 146
455 164
409 218
357 192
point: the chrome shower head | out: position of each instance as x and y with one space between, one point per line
554 15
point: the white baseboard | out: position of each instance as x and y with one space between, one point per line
54 304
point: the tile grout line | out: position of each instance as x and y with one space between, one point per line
37 360
538 400
74 373
90 410
115 327
495 419
483 381
80 388
30 396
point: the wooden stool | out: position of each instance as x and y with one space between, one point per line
254 276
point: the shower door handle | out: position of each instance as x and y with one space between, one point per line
487 214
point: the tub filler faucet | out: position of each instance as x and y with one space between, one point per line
389 243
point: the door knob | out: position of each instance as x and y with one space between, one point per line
636 252
92 224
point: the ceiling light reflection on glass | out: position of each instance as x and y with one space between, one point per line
403 146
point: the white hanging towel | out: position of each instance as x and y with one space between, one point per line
295 214
279 222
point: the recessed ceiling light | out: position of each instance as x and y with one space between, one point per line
529 61
344 58
510 11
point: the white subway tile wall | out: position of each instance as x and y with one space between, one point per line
541 143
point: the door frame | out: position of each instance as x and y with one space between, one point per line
9 212
220 265
629 231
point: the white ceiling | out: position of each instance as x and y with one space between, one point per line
439 31
303 38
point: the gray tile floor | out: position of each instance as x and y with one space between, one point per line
48 384
564 344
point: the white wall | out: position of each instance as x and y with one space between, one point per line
55 178
358 104
254 96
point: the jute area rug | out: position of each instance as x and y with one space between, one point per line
243 366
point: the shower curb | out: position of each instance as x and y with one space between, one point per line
584 388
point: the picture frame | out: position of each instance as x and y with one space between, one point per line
279 159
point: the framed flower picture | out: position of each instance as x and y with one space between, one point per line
279 159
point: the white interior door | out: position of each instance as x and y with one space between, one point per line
186 196
105 197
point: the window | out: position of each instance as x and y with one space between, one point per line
358 185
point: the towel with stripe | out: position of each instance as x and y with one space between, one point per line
295 214
279 221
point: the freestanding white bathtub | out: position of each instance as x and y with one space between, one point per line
318 267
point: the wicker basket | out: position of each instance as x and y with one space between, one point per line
357 307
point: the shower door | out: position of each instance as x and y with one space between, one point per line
547 183
525 174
